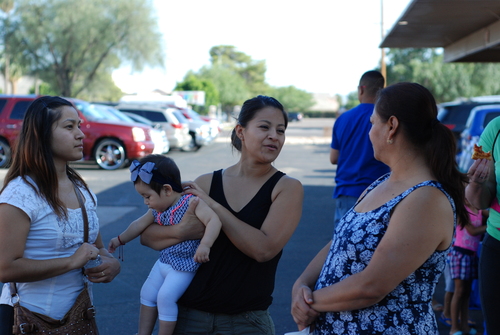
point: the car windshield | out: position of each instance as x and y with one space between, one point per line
91 112
138 118
194 115
180 117
113 113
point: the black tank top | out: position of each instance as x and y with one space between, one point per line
231 282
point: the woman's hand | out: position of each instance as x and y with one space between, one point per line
190 187
481 189
109 268
479 171
83 254
190 228
302 313
105 272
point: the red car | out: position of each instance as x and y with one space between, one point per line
109 143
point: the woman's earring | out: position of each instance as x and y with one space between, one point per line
389 140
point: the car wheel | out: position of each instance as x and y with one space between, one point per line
5 154
192 146
110 154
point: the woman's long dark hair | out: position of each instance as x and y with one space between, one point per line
416 110
33 156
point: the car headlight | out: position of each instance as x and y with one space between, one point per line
138 134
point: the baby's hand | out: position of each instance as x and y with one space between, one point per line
202 253
113 244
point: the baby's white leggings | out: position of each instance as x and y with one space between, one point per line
163 288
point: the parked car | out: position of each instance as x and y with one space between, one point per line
193 130
213 122
295 116
202 132
158 135
478 119
177 132
454 114
111 144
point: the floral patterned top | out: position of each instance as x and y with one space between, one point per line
405 310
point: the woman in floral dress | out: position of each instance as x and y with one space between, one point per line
378 274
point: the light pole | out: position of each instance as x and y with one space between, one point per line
382 58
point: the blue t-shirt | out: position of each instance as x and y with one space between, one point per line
356 166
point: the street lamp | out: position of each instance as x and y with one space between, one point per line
382 58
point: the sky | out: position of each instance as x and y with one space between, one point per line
320 46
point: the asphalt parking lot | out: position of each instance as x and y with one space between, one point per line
305 156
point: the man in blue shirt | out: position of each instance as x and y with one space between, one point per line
351 148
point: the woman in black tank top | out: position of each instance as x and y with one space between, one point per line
259 208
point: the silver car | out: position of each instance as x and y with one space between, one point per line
206 131
199 130
177 132
158 135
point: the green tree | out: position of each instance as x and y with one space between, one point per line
446 81
73 43
103 88
43 89
485 79
232 88
252 71
6 6
192 82
292 98
351 100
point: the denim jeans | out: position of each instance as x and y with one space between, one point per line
489 279
342 204
192 321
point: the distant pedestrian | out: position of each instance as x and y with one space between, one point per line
158 180
351 149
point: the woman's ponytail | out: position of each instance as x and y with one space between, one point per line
416 110
441 151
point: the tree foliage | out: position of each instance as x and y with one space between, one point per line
7 30
447 81
236 77
293 99
252 71
192 82
72 43
232 88
352 100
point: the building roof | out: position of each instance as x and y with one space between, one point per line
467 30
324 102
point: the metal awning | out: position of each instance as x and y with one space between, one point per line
467 30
